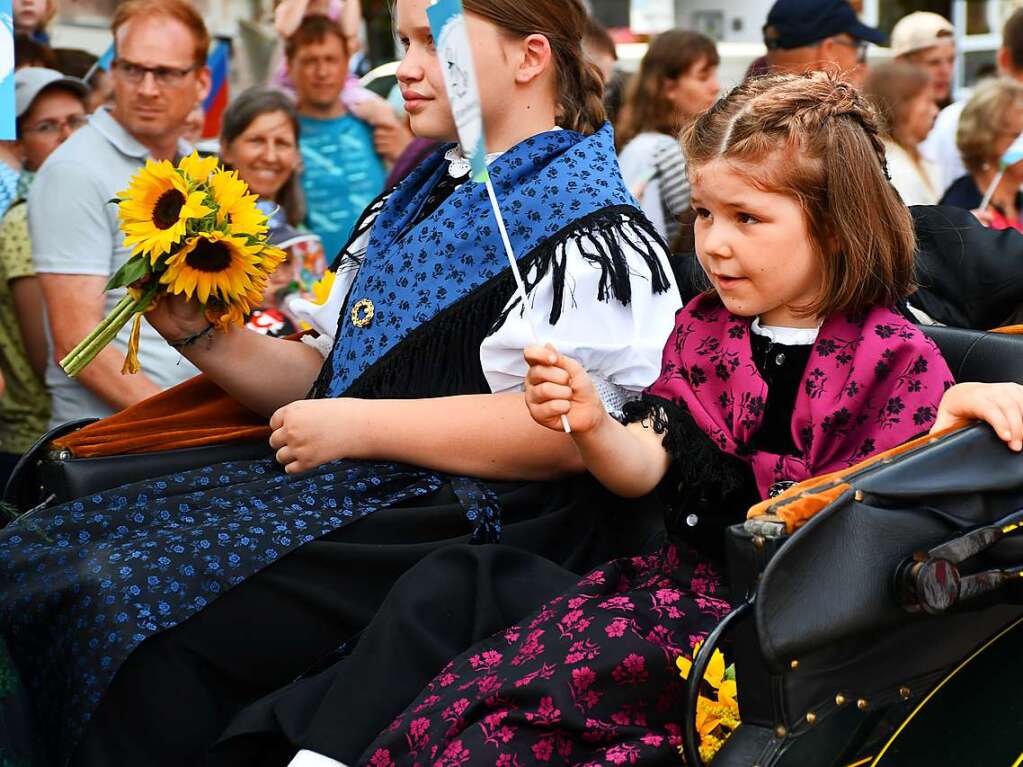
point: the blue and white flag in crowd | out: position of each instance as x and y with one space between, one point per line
1013 154
8 130
447 22
104 62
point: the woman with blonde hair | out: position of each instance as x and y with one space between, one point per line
901 91
677 80
992 119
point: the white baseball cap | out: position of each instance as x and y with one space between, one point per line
29 82
918 31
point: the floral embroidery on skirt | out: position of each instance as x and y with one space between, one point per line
589 679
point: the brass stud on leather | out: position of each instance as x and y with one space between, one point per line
862 704
794 665
811 718
840 699
858 495
780 731
904 693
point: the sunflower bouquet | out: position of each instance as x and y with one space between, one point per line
717 708
194 229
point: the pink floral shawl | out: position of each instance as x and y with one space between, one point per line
872 382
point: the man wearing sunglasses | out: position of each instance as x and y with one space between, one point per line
805 35
159 73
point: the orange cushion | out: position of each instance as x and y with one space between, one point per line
191 414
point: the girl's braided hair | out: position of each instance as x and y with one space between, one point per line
563 22
818 139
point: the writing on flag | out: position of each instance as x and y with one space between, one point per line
447 22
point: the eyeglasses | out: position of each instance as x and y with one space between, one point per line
54 127
860 46
165 77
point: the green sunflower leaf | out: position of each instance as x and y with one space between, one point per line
133 270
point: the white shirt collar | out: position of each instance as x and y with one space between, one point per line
785 336
104 121
459 165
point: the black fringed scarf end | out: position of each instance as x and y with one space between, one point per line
603 239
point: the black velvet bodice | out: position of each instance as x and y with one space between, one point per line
706 489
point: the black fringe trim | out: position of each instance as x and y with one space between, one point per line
442 357
699 467
346 258
601 238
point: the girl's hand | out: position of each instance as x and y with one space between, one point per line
557 385
1000 405
176 317
311 432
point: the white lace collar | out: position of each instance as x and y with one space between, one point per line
785 336
459 165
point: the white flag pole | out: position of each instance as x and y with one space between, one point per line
991 190
447 21
520 285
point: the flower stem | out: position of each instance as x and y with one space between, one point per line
105 332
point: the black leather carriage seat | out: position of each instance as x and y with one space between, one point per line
977 355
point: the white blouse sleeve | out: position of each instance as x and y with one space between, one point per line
619 345
323 318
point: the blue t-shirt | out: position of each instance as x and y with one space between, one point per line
342 176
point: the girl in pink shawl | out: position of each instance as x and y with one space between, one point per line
795 364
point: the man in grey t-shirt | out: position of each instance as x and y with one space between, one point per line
159 73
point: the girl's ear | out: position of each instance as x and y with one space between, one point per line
536 58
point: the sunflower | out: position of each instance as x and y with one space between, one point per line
236 207
216 265
718 716
198 168
156 208
321 289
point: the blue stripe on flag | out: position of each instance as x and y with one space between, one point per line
218 63
1013 154
107 58
8 130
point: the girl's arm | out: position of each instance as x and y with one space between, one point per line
261 372
628 460
1000 405
490 436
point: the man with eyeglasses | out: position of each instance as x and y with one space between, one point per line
807 35
159 73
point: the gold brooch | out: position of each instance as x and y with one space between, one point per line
362 313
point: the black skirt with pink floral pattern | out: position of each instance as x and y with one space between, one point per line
589 679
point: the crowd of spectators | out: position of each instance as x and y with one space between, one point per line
317 148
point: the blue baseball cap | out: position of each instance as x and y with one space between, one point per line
799 23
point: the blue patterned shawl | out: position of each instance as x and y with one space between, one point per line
547 185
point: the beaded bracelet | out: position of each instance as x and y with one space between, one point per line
210 327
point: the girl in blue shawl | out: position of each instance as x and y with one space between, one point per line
140 620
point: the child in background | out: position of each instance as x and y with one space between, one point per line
32 16
288 15
795 365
